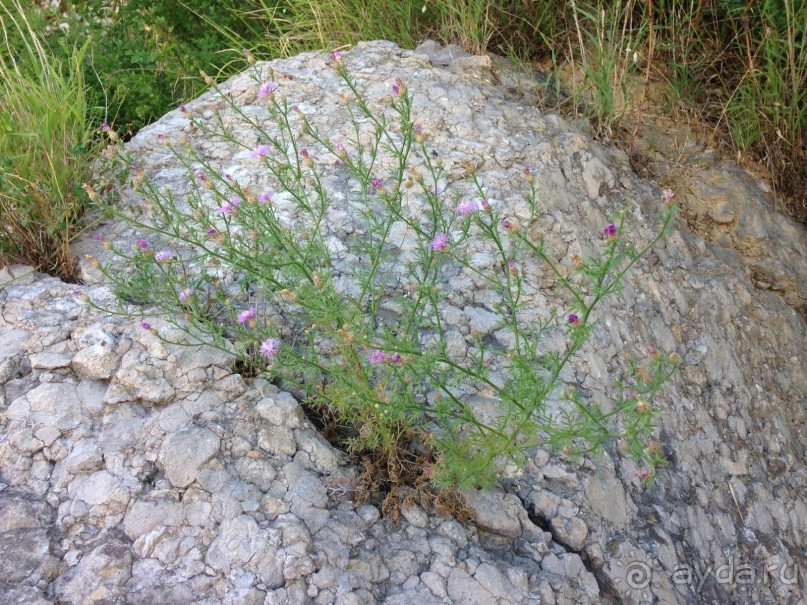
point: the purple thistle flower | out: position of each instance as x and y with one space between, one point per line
99 238
573 319
486 206
212 231
225 209
466 207
270 347
183 109
186 294
418 128
265 197
105 127
266 89
161 136
304 153
145 325
610 230
667 196
335 57
440 242
378 183
395 358
164 255
376 356
245 316
134 167
260 151
142 244
201 176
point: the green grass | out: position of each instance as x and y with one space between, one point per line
609 56
46 133
144 56
744 65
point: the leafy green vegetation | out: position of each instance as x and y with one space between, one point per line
143 57
46 148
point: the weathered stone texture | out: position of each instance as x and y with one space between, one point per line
140 472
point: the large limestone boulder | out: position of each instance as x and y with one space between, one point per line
142 472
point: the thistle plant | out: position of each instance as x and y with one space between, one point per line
359 326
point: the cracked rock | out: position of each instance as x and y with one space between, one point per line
185 452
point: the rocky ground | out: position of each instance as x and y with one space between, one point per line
132 471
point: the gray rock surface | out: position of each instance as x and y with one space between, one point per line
725 205
134 471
